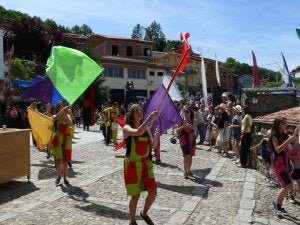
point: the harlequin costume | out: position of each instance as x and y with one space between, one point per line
62 141
138 167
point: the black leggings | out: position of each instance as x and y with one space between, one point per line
245 148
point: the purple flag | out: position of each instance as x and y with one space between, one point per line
290 84
43 90
168 114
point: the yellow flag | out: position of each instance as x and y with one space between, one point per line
41 128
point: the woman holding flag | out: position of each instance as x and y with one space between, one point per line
138 167
62 141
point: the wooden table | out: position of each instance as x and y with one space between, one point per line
14 154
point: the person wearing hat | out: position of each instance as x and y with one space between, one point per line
222 123
236 131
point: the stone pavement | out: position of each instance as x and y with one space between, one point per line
220 192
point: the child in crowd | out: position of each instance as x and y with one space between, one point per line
266 154
294 156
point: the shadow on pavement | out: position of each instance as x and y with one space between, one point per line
48 169
105 211
72 173
75 193
46 173
186 189
14 189
293 219
167 165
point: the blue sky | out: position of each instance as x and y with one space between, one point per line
226 28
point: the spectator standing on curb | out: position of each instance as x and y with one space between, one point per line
77 115
266 154
138 167
224 130
200 131
245 136
236 131
280 141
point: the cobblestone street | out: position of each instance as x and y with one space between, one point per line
219 193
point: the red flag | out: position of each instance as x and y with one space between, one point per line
255 71
185 57
11 52
120 121
119 146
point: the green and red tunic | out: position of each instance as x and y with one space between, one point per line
62 141
138 167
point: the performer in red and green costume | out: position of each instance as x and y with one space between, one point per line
138 167
62 141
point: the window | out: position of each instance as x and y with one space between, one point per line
115 50
167 60
136 74
160 74
151 73
147 52
129 50
114 72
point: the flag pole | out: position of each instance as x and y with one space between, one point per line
171 81
178 68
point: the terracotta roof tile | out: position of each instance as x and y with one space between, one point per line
292 115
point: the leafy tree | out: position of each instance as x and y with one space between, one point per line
138 32
50 24
64 29
243 68
29 39
86 30
22 69
172 44
76 29
159 44
37 19
153 32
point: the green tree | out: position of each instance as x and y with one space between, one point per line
22 69
172 44
153 32
48 23
76 29
138 32
86 30
29 39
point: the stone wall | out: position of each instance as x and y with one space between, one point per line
264 101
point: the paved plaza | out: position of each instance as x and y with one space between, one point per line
219 193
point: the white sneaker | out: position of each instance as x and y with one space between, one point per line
237 161
234 158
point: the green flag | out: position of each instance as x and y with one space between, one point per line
71 72
298 32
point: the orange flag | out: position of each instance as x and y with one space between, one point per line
185 57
